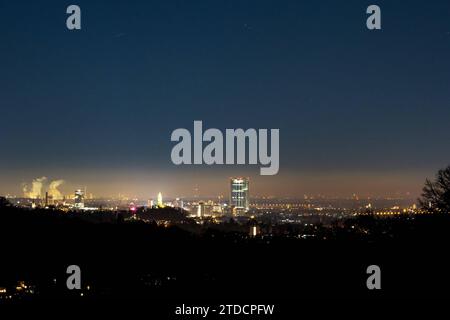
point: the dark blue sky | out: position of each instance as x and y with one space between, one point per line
358 110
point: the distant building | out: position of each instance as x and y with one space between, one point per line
178 203
217 208
254 230
160 200
239 195
201 209
79 199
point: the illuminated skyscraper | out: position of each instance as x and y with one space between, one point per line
79 199
160 200
239 195
201 209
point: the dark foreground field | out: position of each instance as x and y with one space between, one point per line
163 267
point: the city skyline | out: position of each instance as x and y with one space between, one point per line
196 189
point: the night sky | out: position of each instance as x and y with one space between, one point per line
359 111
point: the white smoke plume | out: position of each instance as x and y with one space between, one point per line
53 191
35 191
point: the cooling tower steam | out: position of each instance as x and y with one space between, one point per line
35 191
53 191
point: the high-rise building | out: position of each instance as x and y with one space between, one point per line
79 199
239 195
201 209
160 200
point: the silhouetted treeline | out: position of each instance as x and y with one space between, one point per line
436 194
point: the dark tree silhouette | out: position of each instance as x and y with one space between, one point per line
436 194
4 202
